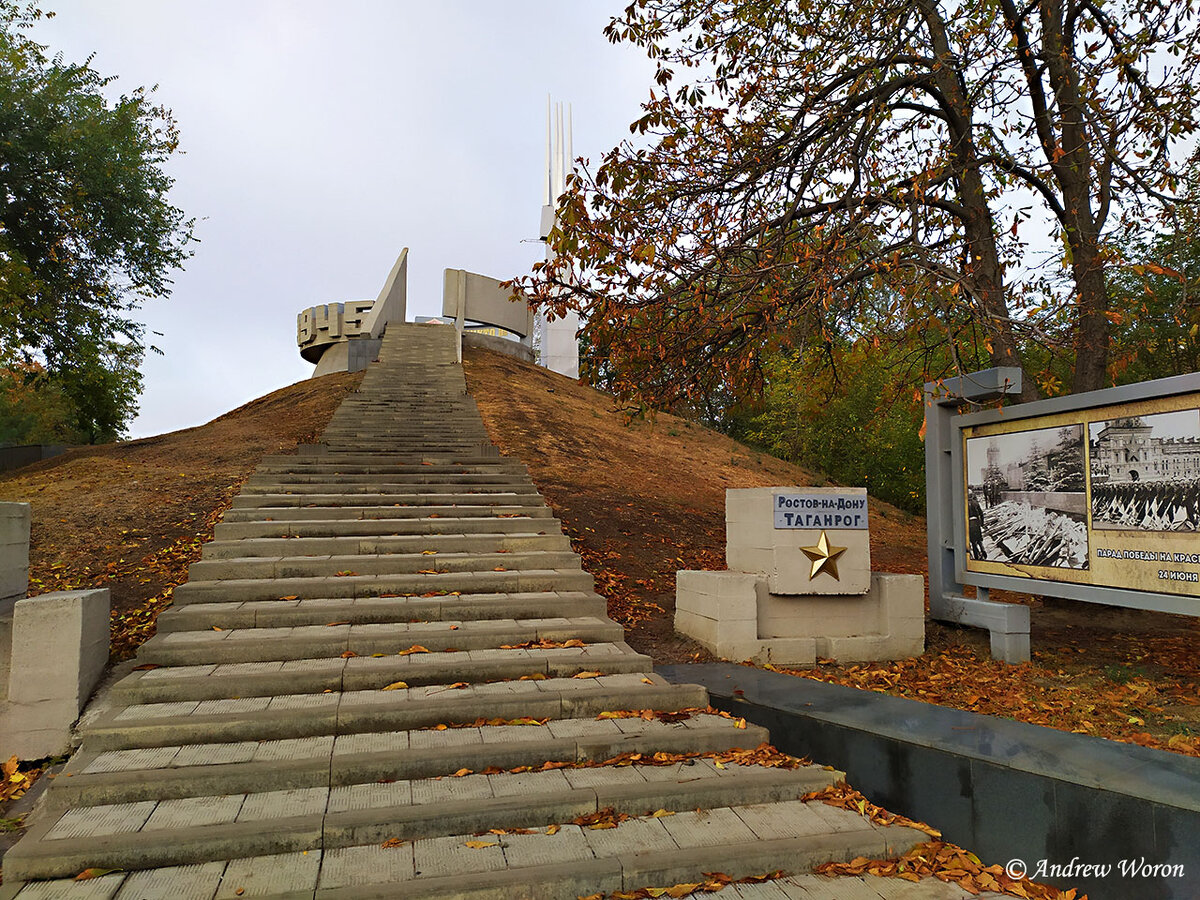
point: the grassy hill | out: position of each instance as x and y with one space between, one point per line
640 499
643 498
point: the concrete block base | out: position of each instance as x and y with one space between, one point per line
56 650
15 520
352 355
737 617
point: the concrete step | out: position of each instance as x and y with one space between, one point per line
512 542
349 712
371 465
434 562
236 825
369 610
307 642
430 512
395 477
383 528
508 496
369 586
361 673
376 485
95 777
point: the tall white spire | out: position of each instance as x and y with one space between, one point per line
559 344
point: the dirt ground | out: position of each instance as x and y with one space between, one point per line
131 516
644 498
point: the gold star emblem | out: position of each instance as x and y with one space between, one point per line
824 557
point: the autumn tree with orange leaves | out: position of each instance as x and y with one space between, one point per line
803 161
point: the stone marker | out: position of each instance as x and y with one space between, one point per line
57 650
800 584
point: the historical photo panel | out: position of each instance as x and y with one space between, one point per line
1145 472
1026 498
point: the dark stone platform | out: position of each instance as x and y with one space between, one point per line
1003 789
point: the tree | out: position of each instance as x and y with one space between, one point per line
826 154
86 231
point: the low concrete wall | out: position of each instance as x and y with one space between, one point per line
499 344
1005 790
55 648
27 454
15 519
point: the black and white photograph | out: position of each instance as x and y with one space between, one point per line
1146 472
1026 498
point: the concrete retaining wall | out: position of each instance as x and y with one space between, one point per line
28 454
1005 790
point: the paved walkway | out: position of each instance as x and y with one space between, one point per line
389 676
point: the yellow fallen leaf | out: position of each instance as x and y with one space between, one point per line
392 842
396 685
586 675
740 723
479 845
461 772
94 872
661 813
647 681
553 829
415 648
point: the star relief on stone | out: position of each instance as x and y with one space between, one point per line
824 557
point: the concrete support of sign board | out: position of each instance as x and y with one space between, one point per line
1007 623
56 652
15 521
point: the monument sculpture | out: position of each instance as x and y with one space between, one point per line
800 585
559 341
345 337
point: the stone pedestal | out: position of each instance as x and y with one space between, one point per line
750 622
56 651
800 585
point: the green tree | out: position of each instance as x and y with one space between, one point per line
86 231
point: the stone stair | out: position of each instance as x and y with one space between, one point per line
388 675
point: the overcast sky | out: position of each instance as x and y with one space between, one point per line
319 139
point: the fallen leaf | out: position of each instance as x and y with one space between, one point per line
392 842
586 675
553 829
94 872
396 685
479 845
349 654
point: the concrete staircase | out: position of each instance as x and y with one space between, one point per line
386 676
